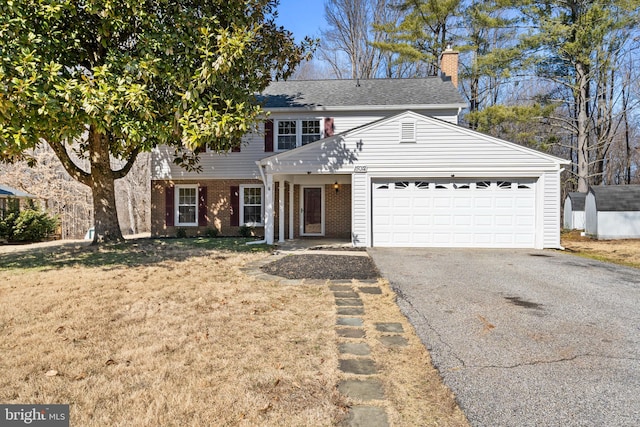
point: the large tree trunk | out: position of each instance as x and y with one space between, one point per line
105 214
582 123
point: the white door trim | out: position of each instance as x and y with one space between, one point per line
322 208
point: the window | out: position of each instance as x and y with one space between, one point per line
422 185
483 185
401 185
286 134
187 205
251 207
295 133
504 185
310 131
459 186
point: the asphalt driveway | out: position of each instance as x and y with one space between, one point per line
524 337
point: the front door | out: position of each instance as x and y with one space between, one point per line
312 223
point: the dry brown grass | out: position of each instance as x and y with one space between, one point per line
186 338
624 252
414 390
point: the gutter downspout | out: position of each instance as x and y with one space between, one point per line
264 182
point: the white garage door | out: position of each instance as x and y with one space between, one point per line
477 213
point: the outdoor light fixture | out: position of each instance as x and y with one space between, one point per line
336 186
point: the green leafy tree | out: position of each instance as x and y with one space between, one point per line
112 78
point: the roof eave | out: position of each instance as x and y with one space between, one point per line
365 107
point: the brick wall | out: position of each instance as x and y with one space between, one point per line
337 209
218 207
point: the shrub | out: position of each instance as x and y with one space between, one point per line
28 226
245 231
212 232
181 233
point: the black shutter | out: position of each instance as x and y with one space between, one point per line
235 206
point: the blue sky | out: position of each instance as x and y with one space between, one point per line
302 17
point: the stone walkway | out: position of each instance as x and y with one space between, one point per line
356 360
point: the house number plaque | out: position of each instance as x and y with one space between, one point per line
360 169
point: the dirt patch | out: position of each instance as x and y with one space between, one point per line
325 267
623 252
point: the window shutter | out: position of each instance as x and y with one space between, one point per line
235 206
169 193
202 206
328 127
268 136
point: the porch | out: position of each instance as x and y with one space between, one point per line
308 207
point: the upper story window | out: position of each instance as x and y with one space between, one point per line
295 133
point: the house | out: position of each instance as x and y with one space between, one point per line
574 211
613 212
380 162
12 200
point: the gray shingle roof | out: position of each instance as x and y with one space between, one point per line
430 91
12 192
577 201
616 198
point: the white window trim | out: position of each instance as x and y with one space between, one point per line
298 131
251 224
177 206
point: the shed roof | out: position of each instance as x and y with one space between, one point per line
616 198
6 191
427 92
577 200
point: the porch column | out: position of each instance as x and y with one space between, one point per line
268 210
291 211
281 210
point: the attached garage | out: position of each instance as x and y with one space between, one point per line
416 181
452 213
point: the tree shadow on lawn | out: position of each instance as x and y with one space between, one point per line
131 253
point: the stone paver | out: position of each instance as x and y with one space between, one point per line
349 321
373 290
349 302
358 366
355 348
350 333
394 341
390 327
345 294
366 416
369 389
340 288
350 311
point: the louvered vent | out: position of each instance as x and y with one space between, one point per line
407 132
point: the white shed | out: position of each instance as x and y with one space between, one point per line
574 211
613 212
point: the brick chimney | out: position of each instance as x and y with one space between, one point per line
449 65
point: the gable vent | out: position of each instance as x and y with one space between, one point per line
408 132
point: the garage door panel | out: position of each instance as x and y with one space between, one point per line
480 213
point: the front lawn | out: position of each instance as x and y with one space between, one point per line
172 333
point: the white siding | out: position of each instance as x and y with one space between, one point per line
551 210
568 214
242 165
618 225
360 209
590 215
440 149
